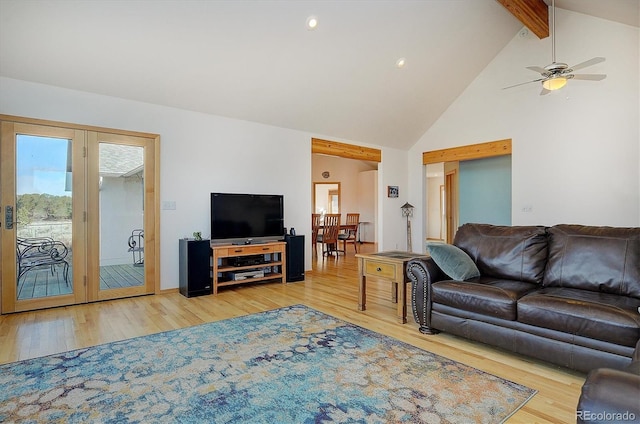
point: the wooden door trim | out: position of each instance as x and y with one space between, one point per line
344 150
468 152
48 123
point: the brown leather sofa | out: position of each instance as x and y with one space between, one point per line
567 294
610 395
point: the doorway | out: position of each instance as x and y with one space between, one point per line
356 169
326 198
56 223
487 172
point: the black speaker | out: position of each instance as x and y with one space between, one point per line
195 267
295 257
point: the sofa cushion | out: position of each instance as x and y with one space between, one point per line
604 259
453 261
601 316
512 253
488 296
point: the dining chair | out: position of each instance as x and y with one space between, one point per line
329 236
315 229
351 232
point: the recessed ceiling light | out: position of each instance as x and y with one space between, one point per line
401 62
312 23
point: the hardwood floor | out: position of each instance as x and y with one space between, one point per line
331 288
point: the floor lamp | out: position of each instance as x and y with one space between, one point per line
407 210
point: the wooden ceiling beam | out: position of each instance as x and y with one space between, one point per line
343 150
534 14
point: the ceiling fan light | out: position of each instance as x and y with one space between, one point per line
312 23
554 83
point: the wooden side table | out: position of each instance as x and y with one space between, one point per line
390 266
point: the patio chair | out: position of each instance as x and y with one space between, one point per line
40 252
136 247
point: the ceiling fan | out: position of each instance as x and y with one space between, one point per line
556 75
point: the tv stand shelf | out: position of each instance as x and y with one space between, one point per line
268 258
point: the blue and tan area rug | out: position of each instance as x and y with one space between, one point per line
289 365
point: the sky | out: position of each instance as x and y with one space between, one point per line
41 165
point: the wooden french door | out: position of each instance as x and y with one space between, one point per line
78 215
43 232
122 215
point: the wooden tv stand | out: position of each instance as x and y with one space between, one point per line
228 260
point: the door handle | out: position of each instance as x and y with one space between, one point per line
8 218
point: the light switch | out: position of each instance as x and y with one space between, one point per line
169 205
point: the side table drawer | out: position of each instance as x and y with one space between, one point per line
380 269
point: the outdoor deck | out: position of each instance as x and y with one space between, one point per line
43 282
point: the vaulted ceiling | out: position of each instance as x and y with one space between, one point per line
256 60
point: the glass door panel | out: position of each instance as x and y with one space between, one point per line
43 214
121 186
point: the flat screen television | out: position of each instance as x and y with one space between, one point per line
243 218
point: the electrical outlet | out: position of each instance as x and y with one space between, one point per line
527 208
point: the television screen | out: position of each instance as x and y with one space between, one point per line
246 216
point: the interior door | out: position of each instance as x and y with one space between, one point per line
451 194
122 217
42 234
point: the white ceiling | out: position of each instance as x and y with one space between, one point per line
255 60
623 11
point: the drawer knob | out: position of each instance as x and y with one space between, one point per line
378 269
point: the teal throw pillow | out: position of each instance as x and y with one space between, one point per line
453 261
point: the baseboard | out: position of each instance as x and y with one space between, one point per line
167 291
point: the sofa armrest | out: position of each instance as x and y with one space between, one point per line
422 273
608 396
636 353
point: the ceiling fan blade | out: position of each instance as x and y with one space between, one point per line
537 69
523 83
544 91
591 77
588 63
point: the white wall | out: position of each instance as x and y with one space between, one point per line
575 151
120 213
200 154
367 202
393 172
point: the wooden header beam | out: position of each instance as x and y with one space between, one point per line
473 151
343 150
534 14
